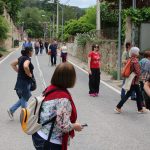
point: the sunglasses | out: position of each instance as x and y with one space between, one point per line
96 46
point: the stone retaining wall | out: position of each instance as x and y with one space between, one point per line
13 33
108 49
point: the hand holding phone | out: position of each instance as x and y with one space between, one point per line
84 125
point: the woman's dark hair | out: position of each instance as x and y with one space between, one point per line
128 44
64 76
146 54
26 51
93 46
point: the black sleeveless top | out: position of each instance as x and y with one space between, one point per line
23 83
21 72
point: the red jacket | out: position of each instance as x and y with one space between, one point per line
135 67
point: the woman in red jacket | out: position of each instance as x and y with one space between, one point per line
94 64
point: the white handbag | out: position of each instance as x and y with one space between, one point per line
128 82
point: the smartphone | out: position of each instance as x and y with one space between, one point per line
84 125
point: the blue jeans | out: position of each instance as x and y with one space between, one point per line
123 92
21 102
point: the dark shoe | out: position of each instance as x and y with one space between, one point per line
133 99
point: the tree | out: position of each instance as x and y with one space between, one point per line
75 26
1 7
3 28
33 21
128 3
13 8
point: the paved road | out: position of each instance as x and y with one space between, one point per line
106 130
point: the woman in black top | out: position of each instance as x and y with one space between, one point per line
24 68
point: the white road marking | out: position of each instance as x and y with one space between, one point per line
6 57
41 74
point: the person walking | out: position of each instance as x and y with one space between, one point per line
41 46
94 64
145 74
125 57
36 47
145 66
64 52
135 68
53 52
147 89
24 68
27 43
61 104
24 43
46 46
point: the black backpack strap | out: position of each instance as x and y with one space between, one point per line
45 94
48 121
51 129
47 142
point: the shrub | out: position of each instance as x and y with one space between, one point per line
3 28
1 7
113 73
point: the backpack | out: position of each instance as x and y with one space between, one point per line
126 71
29 117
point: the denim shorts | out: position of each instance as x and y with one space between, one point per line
39 142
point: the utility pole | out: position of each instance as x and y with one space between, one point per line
53 26
62 25
119 42
133 26
57 28
98 18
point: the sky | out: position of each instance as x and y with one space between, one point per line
79 3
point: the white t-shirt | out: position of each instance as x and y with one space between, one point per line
64 49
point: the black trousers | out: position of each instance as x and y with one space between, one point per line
94 81
46 49
39 142
53 59
147 100
128 94
36 50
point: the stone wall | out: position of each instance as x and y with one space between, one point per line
13 33
108 49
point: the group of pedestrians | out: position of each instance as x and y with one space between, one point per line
141 70
60 101
39 46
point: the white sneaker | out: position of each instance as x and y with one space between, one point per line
117 111
144 111
10 115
